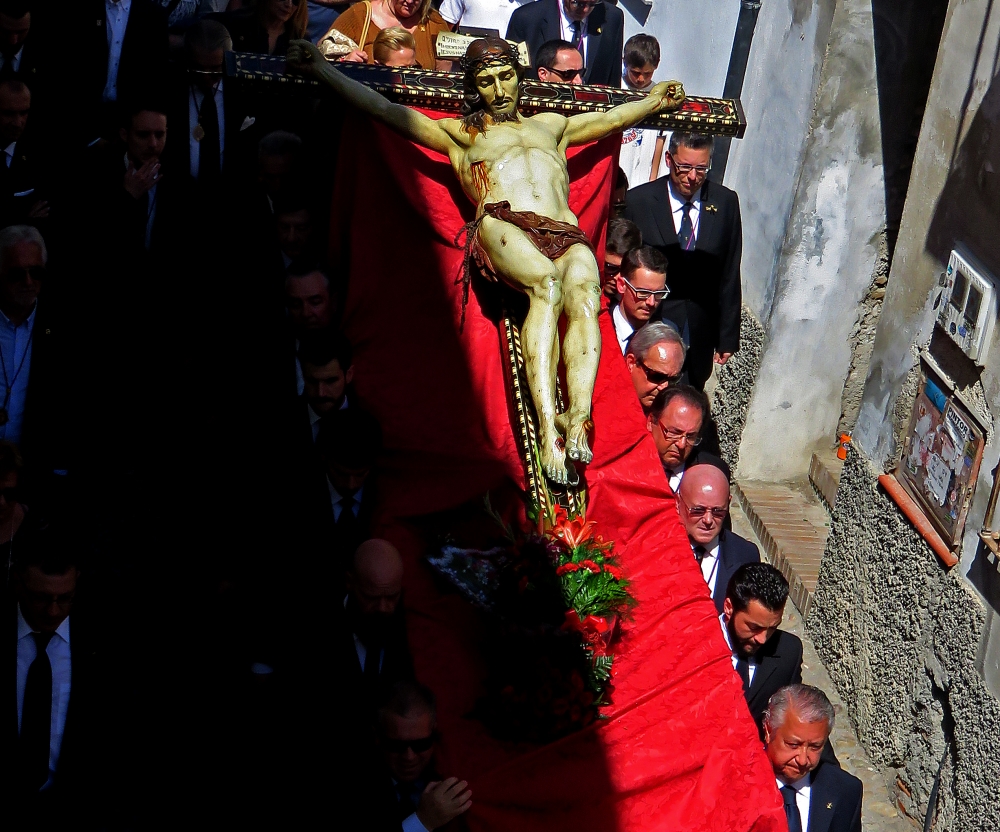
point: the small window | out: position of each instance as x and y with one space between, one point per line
958 293
973 306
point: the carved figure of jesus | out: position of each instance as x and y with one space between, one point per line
514 169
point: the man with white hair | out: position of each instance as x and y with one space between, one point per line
655 358
819 796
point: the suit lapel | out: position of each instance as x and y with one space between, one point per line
706 218
552 22
595 28
664 216
822 803
765 669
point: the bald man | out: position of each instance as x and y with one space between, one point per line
375 646
703 505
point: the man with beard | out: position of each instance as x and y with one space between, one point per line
374 647
765 657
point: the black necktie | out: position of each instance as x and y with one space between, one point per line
209 165
791 809
373 660
743 668
684 236
699 553
36 718
577 28
7 71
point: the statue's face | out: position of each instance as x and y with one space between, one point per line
498 86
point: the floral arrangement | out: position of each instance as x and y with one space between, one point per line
557 594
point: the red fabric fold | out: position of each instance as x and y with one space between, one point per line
677 749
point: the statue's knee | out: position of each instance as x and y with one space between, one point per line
548 290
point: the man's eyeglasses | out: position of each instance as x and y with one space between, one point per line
646 294
684 170
700 511
674 435
418 746
15 274
655 376
583 4
567 74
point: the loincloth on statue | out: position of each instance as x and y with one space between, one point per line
551 237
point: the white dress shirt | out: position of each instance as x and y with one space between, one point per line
195 99
116 22
315 418
362 651
751 662
481 14
710 563
623 329
566 27
803 787
58 652
8 153
14 62
15 349
338 502
677 210
675 476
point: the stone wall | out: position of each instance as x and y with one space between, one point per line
899 635
733 385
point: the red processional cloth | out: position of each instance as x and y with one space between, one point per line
678 749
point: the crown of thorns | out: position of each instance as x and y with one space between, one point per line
488 52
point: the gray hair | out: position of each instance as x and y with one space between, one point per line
208 35
692 141
653 333
810 703
13 235
279 143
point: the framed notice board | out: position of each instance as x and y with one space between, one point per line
942 451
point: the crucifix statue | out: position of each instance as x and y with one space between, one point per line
514 169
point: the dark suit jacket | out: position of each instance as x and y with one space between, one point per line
834 800
779 664
734 551
538 22
397 664
706 294
238 144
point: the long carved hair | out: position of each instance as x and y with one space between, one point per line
481 53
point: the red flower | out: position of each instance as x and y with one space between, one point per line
571 530
589 564
566 568
596 630
614 572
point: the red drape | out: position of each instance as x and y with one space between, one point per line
678 750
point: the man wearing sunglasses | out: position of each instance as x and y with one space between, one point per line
594 28
654 358
696 224
703 505
406 729
642 287
559 62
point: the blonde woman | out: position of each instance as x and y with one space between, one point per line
395 47
362 23
268 26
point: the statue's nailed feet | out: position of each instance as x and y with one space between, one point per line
576 427
552 449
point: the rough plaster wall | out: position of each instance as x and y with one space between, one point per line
862 340
696 39
826 263
733 385
899 635
782 77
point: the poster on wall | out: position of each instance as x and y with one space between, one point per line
942 451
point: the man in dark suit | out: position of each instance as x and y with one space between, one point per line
20 54
596 29
124 44
676 419
212 128
697 225
23 190
765 657
703 506
818 795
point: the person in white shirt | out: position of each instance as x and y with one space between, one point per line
46 588
327 370
642 286
407 729
640 146
675 420
480 14
817 794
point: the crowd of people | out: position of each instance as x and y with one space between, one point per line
205 626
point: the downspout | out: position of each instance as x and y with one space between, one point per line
738 58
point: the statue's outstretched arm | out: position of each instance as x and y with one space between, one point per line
303 57
589 127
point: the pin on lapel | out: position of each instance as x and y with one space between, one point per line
829 805
711 209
